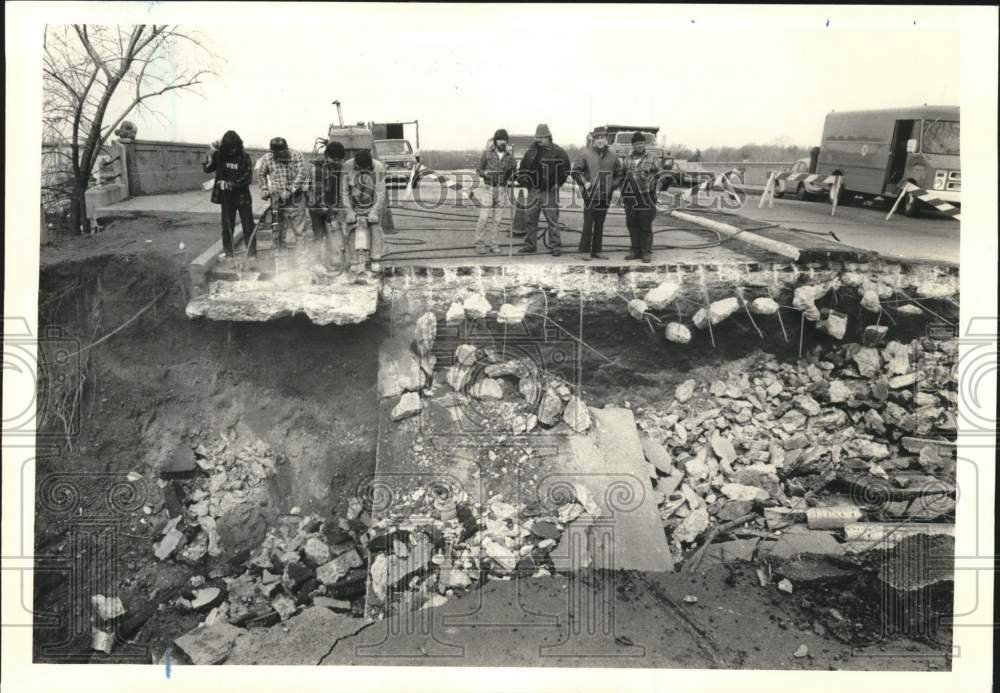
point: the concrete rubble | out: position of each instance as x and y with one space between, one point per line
787 464
810 453
230 476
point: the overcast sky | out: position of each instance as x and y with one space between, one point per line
714 76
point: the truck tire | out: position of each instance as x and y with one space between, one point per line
911 205
801 193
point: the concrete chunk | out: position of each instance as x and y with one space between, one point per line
209 644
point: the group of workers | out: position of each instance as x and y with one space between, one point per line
345 204
543 170
342 197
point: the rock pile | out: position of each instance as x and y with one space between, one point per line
219 478
782 440
435 544
302 563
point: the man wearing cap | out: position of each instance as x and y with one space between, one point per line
544 168
599 172
283 173
325 212
496 168
362 194
639 198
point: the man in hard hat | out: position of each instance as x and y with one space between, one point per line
598 171
362 193
544 168
496 169
639 198
282 173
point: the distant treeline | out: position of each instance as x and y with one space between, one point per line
442 160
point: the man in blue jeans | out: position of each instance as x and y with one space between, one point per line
544 168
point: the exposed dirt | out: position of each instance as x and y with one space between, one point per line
164 383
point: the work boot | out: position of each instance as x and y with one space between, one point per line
494 250
481 249
599 256
525 251
586 258
632 256
647 259
556 252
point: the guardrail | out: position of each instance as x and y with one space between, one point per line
753 173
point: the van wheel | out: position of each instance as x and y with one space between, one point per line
911 205
801 193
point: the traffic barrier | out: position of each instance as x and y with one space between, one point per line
720 181
835 183
927 197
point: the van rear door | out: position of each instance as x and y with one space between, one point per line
903 131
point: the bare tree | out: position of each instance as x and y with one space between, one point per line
94 77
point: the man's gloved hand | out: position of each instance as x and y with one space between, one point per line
225 185
283 196
372 218
351 218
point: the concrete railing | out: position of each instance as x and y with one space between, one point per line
155 166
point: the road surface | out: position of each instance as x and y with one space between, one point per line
926 237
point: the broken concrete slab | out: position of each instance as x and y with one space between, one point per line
608 462
408 405
798 541
398 368
918 562
209 644
735 551
576 415
662 295
303 639
340 302
810 570
677 332
657 455
332 571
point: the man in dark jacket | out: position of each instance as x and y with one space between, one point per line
233 170
639 198
325 208
495 169
544 168
598 171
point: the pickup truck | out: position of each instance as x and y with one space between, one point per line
620 142
398 157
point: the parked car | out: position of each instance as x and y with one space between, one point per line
803 190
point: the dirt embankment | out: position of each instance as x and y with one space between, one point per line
157 388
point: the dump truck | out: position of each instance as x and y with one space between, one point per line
620 142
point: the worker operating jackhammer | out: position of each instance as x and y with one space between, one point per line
326 213
363 196
282 172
